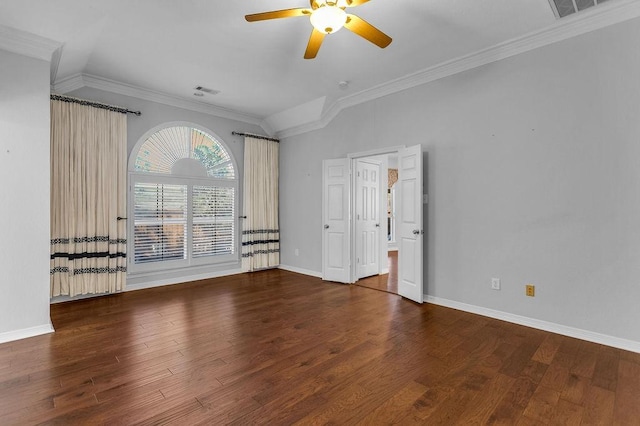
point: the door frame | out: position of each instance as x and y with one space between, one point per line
352 158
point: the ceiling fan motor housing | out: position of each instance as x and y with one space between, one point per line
315 4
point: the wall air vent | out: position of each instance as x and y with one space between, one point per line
206 90
562 8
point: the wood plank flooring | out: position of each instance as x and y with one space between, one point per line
386 282
276 347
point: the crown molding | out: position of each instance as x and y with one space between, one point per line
598 17
78 81
68 84
267 128
27 44
55 64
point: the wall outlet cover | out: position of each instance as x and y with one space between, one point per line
495 283
530 290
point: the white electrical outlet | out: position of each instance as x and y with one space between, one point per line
495 283
297 252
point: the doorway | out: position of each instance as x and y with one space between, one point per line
375 201
339 240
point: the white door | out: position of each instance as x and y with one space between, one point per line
409 223
367 218
335 216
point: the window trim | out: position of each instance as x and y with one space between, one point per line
134 177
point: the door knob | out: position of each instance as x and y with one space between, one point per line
377 225
416 232
326 227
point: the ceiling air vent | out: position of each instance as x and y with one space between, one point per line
563 8
206 90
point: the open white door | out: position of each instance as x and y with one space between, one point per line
409 232
367 218
335 217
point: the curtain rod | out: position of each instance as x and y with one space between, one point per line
266 138
70 99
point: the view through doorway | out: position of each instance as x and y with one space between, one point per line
385 282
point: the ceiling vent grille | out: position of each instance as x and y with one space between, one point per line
206 90
563 8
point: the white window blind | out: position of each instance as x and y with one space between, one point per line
160 222
213 221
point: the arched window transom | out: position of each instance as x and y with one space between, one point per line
166 147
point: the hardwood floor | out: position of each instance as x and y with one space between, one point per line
386 282
276 347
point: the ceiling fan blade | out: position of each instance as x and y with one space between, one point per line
314 44
354 3
275 14
367 31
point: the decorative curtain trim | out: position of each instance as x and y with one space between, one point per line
261 233
88 194
73 256
102 239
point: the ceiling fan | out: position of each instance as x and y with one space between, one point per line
327 17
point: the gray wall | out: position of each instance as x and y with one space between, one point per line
24 196
533 176
156 114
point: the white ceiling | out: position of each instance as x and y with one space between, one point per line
171 46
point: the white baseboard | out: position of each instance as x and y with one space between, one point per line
180 280
64 298
151 284
603 339
301 271
24 333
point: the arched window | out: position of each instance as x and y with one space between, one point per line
183 200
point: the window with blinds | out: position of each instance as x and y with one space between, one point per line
183 201
160 217
213 221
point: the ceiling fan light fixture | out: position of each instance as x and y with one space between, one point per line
328 18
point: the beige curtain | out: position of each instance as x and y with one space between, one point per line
261 232
88 194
